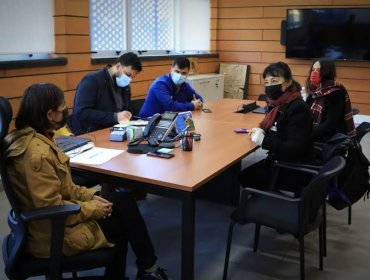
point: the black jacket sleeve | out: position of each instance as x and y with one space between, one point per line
332 116
86 102
292 140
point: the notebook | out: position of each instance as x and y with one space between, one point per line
70 143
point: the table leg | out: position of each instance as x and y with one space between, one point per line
188 237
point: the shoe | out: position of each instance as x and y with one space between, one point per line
158 274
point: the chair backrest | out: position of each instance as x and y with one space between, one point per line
136 105
6 114
15 241
361 130
314 193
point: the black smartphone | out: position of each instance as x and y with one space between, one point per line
206 110
159 154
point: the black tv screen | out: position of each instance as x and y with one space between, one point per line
334 33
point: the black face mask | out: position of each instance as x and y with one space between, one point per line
274 91
63 121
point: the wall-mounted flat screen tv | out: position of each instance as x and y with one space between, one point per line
334 33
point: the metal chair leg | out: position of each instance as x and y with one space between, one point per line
301 253
321 257
349 214
324 228
228 248
257 231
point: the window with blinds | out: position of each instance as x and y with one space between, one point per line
149 27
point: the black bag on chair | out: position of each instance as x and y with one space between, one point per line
353 181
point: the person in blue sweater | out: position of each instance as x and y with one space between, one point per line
170 92
103 97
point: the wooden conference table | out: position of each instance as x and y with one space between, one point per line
219 152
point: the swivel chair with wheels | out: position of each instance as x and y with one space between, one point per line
21 265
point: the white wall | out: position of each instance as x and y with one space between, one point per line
193 21
26 26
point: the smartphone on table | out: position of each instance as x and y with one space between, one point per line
160 154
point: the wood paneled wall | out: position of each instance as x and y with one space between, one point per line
72 39
248 31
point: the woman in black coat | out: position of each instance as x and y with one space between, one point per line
285 131
329 102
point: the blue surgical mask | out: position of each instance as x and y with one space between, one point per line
123 81
177 78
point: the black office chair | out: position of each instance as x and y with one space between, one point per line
361 130
297 216
21 265
136 105
340 148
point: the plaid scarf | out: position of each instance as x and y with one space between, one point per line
325 89
285 98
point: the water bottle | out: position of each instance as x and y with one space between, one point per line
304 93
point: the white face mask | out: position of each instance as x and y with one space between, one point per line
123 81
177 78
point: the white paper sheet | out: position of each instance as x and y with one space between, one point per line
96 156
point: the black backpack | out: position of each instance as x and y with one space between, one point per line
353 182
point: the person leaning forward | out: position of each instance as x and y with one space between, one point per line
103 97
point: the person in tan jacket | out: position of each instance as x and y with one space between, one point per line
41 176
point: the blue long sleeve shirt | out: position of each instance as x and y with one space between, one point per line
164 96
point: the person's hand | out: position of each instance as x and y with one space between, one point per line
257 134
124 116
198 104
106 206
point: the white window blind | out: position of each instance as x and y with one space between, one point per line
154 26
26 26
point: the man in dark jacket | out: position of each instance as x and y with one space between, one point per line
103 97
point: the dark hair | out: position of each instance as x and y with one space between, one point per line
181 62
328 71
281 69
36 101
130 59
278 69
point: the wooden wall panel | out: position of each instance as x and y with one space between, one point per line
71 25
255 12
14 87
140 88
239 23
241 35
72 44
263 46
248 57
73 78
268 3
69 96
271 35
15 105
271 23
71 7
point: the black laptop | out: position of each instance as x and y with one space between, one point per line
69 143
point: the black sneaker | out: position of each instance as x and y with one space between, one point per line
155 275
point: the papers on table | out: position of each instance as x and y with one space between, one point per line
79 150
132 123
96 156
360 118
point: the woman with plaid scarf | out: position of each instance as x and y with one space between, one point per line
329 102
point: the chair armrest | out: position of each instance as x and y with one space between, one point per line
57 216
272 195
307 168
50 212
